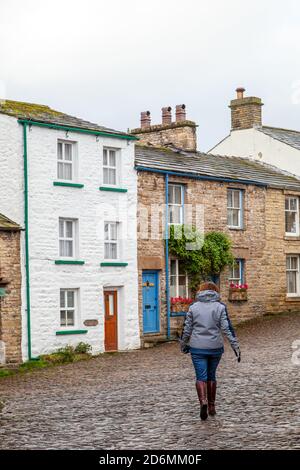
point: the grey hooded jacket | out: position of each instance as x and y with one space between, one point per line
205 321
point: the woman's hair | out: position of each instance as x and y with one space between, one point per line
208 286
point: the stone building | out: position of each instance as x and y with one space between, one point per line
256 204
72 185
249 137
10 292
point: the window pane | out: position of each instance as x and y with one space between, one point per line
104 157
293 204
175 214
112 176
106 251
63 321
69 229
112 158
106 232
229 198
68 248
173 267
177 194
236 199
60 170
70 318
59 151
292 282
105 176
62 298
290 222
171 193
172 287
233 217
113 250
61 228
113 231
70 298
182 290
68 152
67 171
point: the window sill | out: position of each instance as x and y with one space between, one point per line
71 332
113 189
70 185
292 299
236 228
292 237
114 263
66 261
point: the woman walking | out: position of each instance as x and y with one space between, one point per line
205 322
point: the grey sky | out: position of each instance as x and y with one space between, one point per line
108 60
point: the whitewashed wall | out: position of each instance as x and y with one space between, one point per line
255 144
46 204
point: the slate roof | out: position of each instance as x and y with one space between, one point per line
44 114
214 166
7 224
286 136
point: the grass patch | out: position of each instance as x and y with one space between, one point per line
65 355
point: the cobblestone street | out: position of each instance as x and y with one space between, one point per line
146 399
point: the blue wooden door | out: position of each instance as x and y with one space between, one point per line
150 302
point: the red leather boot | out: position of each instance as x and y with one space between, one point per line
211 394
201 387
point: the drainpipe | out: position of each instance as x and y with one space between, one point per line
167 252
30 358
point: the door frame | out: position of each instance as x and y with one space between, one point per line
157 290
115 292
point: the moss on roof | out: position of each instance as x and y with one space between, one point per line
45 114
7 224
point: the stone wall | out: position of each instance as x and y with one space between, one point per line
261 243
10 305
177 134
246 113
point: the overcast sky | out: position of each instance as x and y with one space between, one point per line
108 60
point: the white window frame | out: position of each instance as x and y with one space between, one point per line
177 261
74 309
181 205
288 198
116 167
72 163
73 239
239 208
237 280
111 241
297 293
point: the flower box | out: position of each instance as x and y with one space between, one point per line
180 304
238 292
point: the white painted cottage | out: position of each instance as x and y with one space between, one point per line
250 138
71 186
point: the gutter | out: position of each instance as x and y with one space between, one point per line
25 156
76 129
200 177
167 253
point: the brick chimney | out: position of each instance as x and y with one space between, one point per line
145 119
180 134
245 111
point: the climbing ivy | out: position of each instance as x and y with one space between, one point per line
202 256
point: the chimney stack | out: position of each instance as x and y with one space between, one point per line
180 134
245 111
180 112
166 116
145 119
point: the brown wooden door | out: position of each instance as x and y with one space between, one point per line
111 320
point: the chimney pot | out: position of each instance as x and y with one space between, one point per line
166 115
145 119
180 112
240 93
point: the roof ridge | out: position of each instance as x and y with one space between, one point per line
278 129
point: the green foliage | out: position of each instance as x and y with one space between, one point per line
66 354
83 348
202 256
29 365
5 372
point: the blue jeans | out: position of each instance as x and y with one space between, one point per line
206 365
